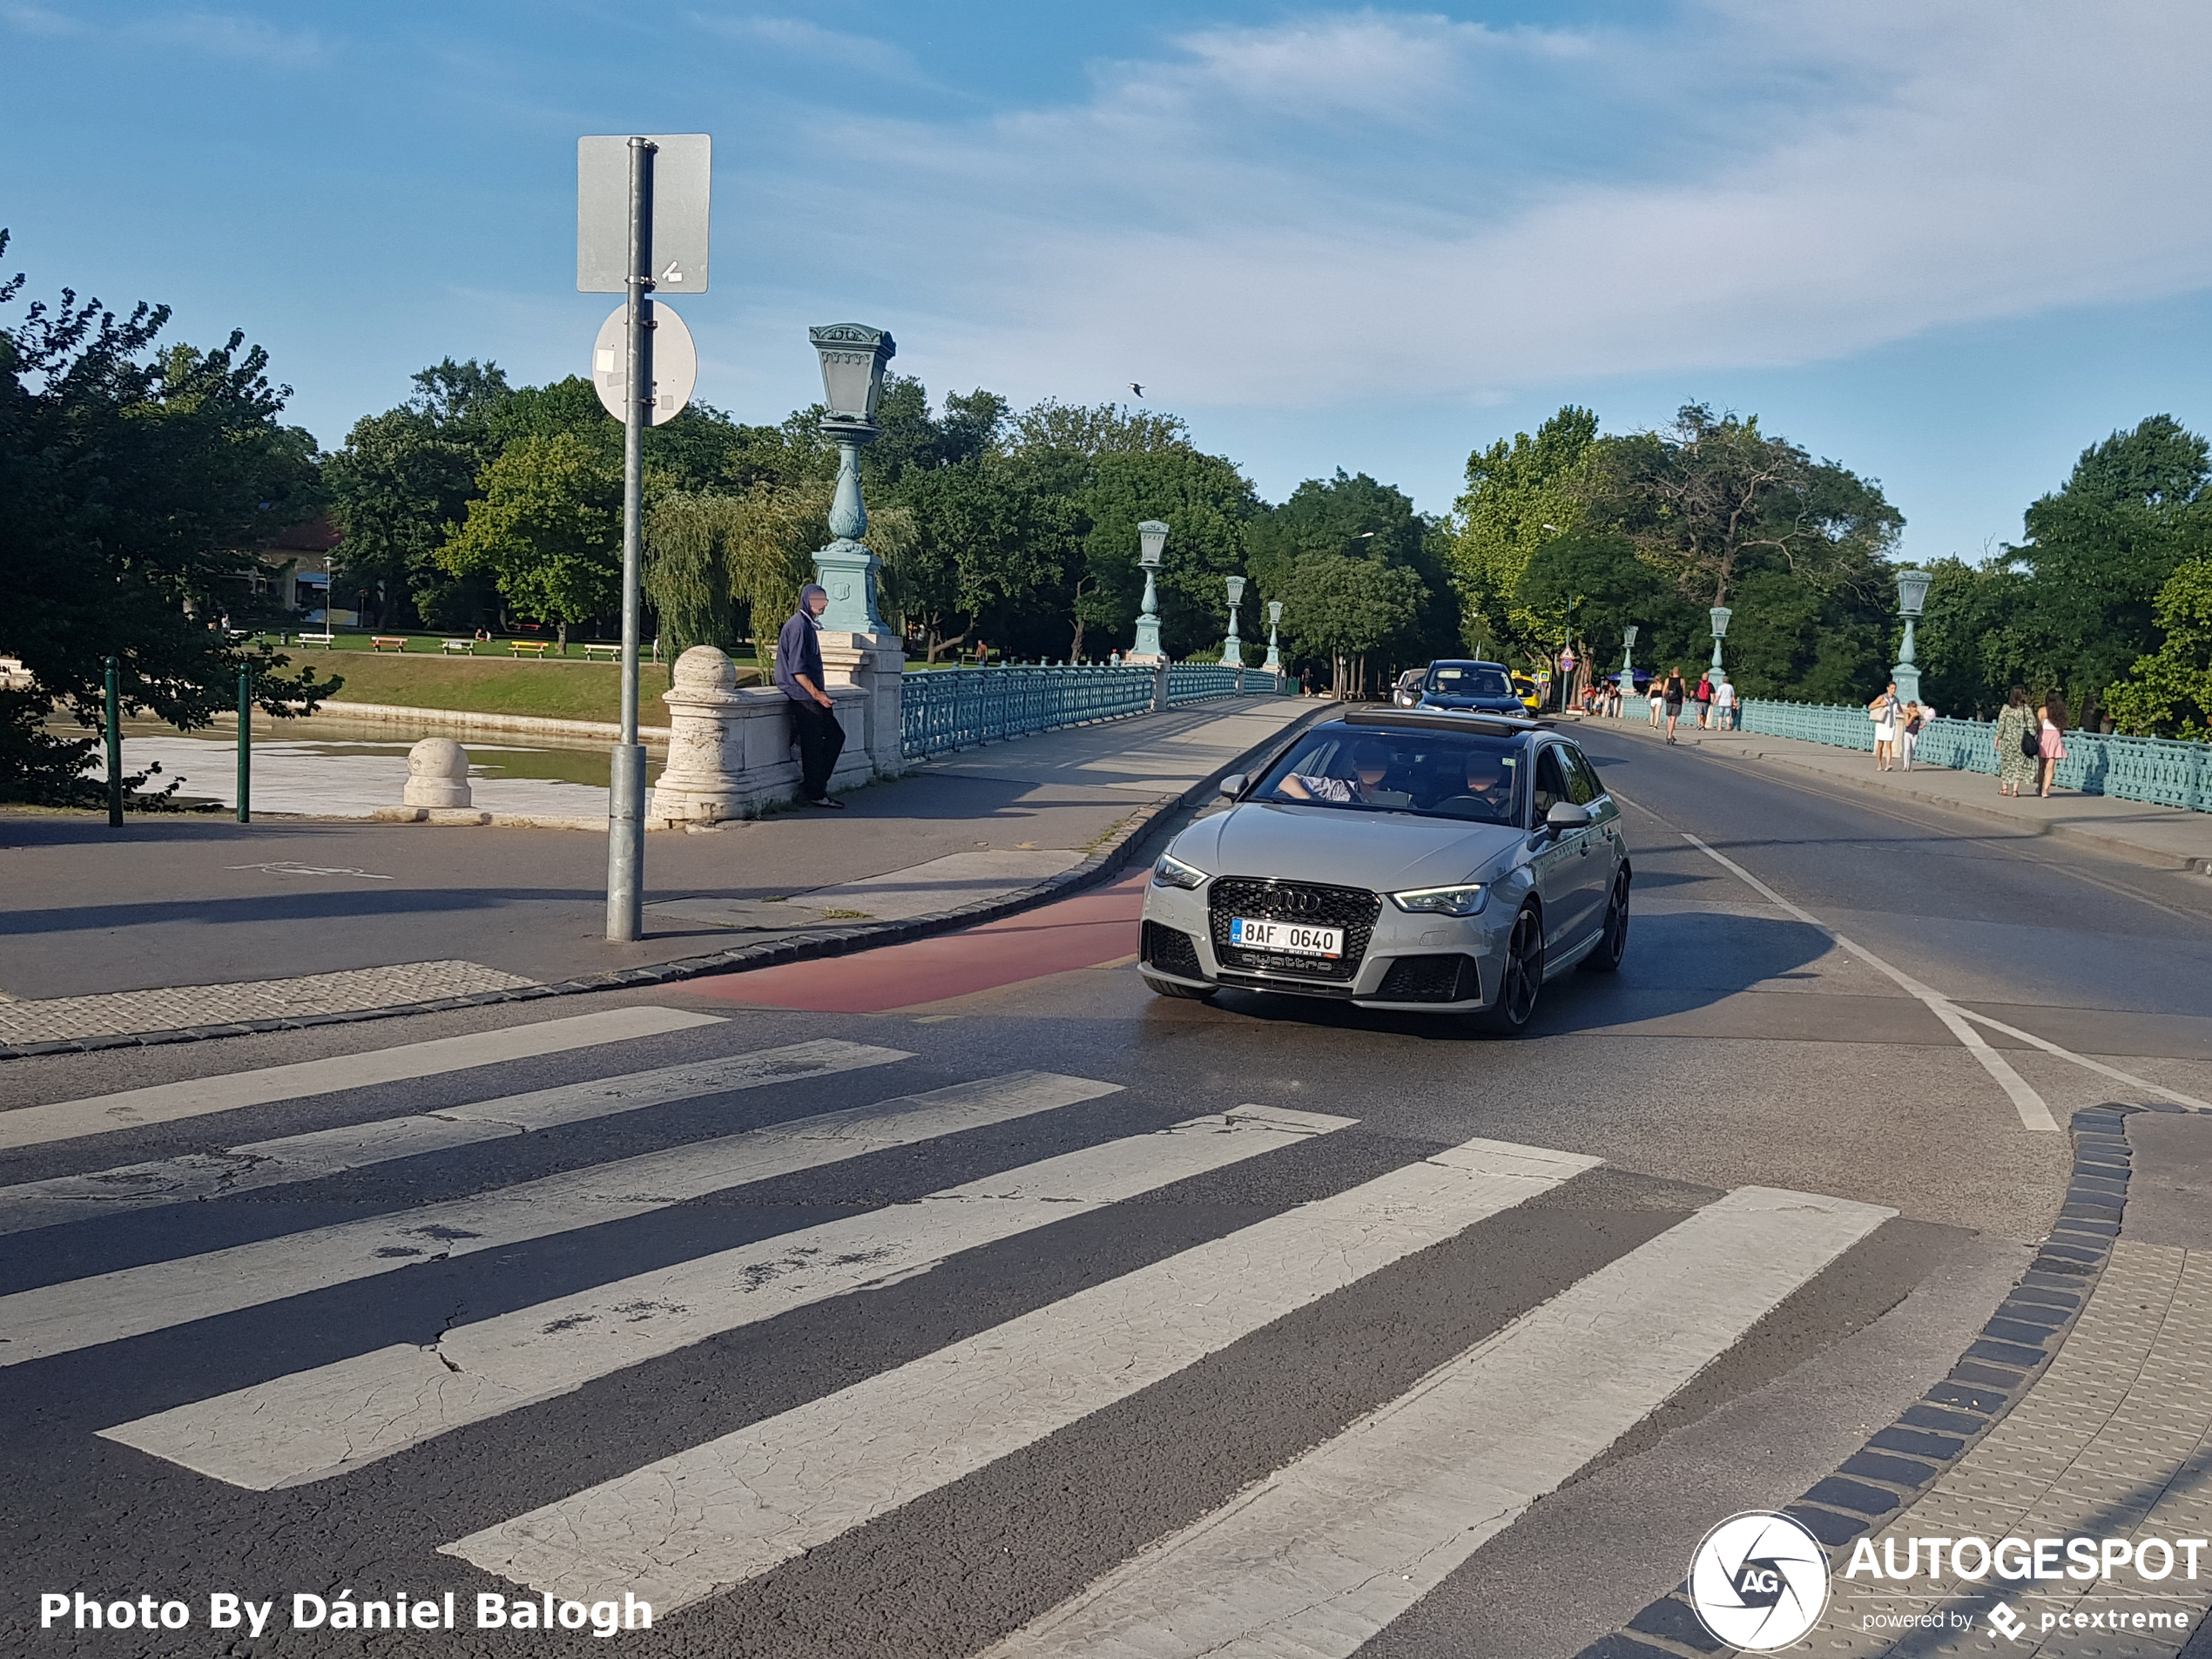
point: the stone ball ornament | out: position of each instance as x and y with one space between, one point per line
437 774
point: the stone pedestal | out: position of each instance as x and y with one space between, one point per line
874 665
731 752
437 774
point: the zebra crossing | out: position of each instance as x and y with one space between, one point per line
1335 1542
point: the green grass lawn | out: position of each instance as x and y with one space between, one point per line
552 690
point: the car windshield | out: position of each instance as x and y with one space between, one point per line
1467 680
1436 774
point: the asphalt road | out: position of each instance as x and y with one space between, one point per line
1103 1354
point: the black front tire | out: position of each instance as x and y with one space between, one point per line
1521 982
1613 943
1170 988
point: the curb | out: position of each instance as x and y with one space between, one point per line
2132 851
1897 1463
798 948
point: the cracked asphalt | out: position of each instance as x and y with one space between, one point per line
1739 1046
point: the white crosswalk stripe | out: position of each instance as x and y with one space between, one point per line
322 1152
1311 1561
681 1528
316 1423
1317 1558
77 1313
167 1103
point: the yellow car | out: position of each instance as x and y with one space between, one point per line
1529 691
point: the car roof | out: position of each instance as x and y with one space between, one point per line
1469 662
1494 725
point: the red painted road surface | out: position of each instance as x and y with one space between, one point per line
1081 932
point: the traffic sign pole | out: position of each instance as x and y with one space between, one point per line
626 803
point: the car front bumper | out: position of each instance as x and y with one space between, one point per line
1416 946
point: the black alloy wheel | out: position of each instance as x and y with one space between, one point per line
1613 943
1169 987
1520 978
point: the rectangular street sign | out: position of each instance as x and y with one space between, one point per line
683 165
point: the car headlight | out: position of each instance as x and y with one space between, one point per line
1443 902
1171 871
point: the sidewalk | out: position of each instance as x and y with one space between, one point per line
2164 836
184 924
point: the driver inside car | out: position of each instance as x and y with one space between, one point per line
1371 767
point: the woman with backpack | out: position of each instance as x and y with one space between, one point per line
2018 742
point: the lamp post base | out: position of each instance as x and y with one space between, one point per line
847 570
1907 676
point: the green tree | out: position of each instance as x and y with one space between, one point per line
2101 549
1345 611
133 485
1206 504
1354 517
547 526
1519 495
2168 692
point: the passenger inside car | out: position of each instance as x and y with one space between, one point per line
1486 787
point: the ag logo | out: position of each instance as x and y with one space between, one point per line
1759 1581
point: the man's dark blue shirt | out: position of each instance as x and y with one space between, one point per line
799 650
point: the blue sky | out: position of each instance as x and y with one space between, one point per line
1947 244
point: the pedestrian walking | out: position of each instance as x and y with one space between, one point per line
1657 689
1724 704
1885 711
1674 694
1908 734
813 717
1704 698
2019 745
2051 741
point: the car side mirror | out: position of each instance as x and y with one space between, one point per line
1233 785
1568 816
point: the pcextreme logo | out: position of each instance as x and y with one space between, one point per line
1758 1581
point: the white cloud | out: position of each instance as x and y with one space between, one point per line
215 33
1384 207
802 38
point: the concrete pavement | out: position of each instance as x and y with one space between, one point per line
185 923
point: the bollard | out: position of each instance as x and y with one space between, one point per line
114 746
245 746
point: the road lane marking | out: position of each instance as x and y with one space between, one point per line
107 1307
322 1152
167 1103
717 1514
314 1424
2087 1064
1324 1552
2034 1114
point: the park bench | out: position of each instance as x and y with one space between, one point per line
612 653
461 648
384 642
529 648
318 639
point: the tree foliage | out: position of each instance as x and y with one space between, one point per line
134 484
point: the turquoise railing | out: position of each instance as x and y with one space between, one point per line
958 708
2159 770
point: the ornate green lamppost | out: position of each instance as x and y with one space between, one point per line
852 358
1232 649
1274 663
1911 595
1152 537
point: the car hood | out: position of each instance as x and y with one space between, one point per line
1389 852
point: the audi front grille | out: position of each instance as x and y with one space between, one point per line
1353 909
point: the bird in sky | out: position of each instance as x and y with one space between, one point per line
1135 388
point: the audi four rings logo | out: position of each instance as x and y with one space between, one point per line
1759 1581
1288 898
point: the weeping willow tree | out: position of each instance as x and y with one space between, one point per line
719 565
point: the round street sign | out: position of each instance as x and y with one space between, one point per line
676 363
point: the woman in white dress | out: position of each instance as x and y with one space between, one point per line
1885 711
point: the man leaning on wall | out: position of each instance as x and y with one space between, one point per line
813 718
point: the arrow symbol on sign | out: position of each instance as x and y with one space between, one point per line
672 275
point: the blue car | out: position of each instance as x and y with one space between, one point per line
1471 688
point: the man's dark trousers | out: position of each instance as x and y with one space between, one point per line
821 740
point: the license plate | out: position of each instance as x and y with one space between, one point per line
1292 938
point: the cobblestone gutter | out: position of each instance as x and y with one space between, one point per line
2084 1408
